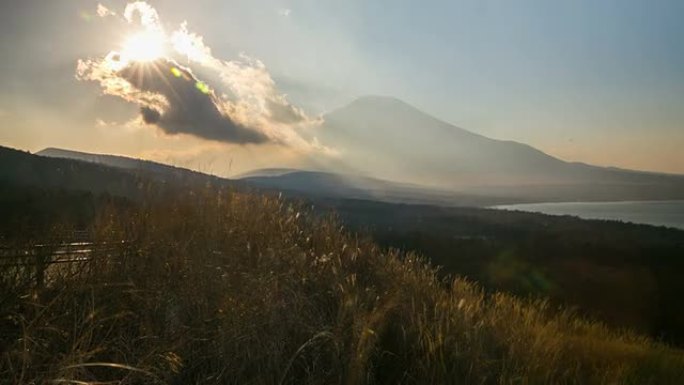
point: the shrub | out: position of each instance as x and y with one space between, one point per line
215 286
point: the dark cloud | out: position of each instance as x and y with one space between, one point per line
190 108
150 115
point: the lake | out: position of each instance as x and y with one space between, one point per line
658 213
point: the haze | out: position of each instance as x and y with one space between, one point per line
600 82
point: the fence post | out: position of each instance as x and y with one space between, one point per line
42 256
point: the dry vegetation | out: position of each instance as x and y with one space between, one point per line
221 287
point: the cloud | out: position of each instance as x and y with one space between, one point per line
148 16
243 107
103 11
190 107
284 12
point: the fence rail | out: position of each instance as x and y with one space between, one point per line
40 256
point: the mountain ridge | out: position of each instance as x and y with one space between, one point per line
388 137
388 101
292 181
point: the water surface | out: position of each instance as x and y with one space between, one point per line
658 213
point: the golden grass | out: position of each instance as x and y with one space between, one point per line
222 287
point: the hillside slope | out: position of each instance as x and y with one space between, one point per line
524 253
292 181
113 175
633 186
130 164
218 287
316 184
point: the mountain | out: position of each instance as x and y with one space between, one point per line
386 137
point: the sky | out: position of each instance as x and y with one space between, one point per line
595 81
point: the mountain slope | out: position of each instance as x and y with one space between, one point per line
27 170
634 268
385 136
224 287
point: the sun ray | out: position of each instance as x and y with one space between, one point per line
165 78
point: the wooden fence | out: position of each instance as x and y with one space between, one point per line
40 256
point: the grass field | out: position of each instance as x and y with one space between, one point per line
223 287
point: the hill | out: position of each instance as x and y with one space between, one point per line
296 183
606 185
160 171
24 169
216 286
386 137
628 272
623 274
317 184
35 190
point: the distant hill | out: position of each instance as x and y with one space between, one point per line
267 172
24 169
333 185
632 186
113 175
120 162
293 181
386 137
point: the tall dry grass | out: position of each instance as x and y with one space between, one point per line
221 287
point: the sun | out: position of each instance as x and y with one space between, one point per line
144 46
